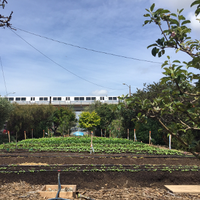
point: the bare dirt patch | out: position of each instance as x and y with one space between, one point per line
97 185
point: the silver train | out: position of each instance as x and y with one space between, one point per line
63 100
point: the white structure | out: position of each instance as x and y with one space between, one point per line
63 100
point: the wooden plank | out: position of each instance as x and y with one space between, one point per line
50 191
192 189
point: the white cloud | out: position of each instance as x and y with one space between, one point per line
172 4
100 92
195 24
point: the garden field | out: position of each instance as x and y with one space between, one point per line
119 168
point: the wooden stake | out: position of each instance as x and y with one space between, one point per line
25 135
135 138
128 134
149 137
170 141
9 136
105 134
91 137
32 133
43 133
16 140
91 145
101 133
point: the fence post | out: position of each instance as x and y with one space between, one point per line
32 133
101 133
43 133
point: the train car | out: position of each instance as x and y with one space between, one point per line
63 100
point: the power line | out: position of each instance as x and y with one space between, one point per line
61 65
3 76
88 49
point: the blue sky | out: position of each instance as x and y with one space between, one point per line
35 66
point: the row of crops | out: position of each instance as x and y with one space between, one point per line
82 145
98 168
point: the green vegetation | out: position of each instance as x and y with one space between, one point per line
89 120
82 145
176 107
38 119
63 119
100 168
5 109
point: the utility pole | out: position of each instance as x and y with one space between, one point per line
129 88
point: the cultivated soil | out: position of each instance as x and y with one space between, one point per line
96 185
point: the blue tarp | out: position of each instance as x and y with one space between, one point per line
78 133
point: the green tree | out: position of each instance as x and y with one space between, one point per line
89 120
28 117
5 21
126 115
151 92
107 113
63 119
179 102
115 128
5 110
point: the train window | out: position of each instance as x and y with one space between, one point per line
82 98
10 99
45 98
32 98
76 98
41 99
56 99
114 98
17 99
101 98
87 98
23 99
109 98
93 98
67 98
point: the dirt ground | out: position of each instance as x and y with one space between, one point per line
97 185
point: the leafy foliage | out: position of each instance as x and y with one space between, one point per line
82 145
89 120
39 118
28 117
176 107
63 119
5 110
5 21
